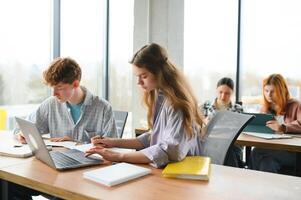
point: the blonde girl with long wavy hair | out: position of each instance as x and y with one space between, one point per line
173 115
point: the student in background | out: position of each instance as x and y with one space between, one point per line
72 113
173 116
225 90
287 112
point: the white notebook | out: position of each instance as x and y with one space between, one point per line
116 174
17 151
269 136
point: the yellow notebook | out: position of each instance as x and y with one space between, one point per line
192 167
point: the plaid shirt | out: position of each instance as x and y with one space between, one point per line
209 109
55 118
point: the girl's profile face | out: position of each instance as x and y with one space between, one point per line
145 79
269 93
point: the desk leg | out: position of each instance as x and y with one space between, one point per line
4 189
248 156
298 164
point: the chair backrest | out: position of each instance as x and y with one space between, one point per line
221 132
120 119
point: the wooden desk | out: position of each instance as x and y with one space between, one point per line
225 183
7 138
293 145
5 161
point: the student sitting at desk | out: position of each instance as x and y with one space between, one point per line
224 90
173 116
287 111
72 113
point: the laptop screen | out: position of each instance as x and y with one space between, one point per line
35 141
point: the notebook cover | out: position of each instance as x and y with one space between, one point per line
116 174
192 167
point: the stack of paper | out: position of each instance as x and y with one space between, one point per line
192 167
116 174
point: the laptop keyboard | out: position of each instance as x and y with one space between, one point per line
80 156
62 160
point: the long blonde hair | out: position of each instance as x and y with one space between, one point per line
171 82
281 92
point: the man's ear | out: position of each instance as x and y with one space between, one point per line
75 83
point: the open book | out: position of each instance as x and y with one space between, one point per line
116 174
192 167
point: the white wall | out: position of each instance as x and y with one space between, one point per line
162 22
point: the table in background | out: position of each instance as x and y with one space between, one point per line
292 144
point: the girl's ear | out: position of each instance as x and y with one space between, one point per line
76 83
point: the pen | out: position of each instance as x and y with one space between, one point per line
87 136
86 133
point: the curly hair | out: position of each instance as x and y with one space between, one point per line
62 70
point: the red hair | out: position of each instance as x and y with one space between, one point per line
281 93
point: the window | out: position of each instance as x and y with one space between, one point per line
25 38
82 38
121 51
210 44
270 44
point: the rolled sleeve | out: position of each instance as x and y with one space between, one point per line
157 155
144 139
168 141
163 153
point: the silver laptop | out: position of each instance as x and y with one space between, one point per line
59 160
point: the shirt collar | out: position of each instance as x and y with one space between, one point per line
214 104
88 96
